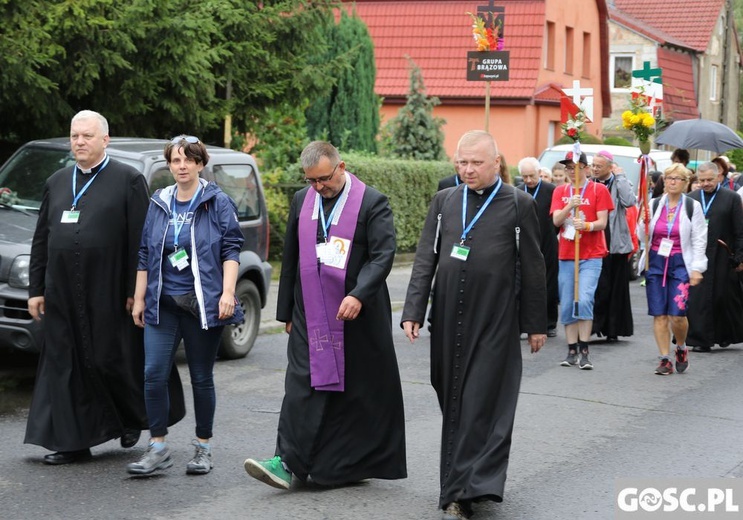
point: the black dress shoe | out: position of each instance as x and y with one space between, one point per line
701 349
67 457
551 333
129 438
724 344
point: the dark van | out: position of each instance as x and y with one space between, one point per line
22 180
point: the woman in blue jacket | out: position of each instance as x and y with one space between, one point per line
188 264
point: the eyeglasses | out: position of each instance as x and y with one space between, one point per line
572 168
321 180
674 179
188 138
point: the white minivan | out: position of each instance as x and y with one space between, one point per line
624 156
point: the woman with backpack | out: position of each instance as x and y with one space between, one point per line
678 240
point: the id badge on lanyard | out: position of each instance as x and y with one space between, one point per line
178 259
70 217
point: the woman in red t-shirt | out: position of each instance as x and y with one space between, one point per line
580 211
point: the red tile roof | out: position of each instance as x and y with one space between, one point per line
643 28
437 36
690 21
679 98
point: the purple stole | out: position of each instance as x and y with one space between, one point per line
324 287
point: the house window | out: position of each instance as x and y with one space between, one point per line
586 55
549 50
713 83
569 48
621 76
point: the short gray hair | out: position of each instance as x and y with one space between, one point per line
708 166
90 114
315 151
529 161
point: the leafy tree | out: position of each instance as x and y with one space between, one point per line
415 133
349 115
157 67
283 136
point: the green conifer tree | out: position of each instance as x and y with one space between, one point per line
415 133
349 116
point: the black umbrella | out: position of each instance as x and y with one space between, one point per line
700 134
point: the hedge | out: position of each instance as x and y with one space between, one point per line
409 185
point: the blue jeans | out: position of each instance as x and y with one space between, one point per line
589 272
160 344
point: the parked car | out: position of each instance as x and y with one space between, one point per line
22 180
624 156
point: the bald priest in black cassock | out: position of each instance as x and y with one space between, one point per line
475 348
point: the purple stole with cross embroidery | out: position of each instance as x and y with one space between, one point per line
324 286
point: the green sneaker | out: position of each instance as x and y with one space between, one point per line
270 471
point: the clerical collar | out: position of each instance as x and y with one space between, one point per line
488 190
92 170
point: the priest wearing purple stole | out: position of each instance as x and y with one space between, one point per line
342 417
482 241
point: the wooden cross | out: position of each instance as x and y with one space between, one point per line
648 74
490 12
586 103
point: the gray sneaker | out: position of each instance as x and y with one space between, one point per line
201 463
571 360
151 461
585 364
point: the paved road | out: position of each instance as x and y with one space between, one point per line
576 433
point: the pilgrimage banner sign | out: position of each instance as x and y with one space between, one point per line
487 65
490 61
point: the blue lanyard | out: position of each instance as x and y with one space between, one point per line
177 226
582 193
76 198
705 206
675 215
534 195
466 229
326 225
456 180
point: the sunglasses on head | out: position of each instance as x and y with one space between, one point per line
188 138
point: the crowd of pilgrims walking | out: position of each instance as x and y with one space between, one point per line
498 263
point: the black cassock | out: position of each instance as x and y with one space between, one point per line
716 305
90 379
342 437
475 347
549 246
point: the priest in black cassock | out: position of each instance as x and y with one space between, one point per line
716 304
342 418
90 380
476 235
541 191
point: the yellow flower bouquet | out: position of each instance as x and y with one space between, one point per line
638 119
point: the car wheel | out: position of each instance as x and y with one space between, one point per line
237 340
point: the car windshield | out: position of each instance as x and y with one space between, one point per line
26 172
